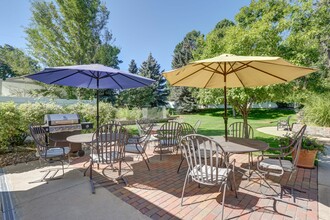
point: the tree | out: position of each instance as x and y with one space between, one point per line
14 62
71 32
258 31
156 94
183 54
128 97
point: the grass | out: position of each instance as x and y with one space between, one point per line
213 124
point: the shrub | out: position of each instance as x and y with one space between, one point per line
316 110
127 114
10 124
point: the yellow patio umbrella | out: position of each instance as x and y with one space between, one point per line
229 71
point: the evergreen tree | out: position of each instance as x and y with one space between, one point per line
132 68
183 54
156 94
128 97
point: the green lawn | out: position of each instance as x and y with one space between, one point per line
213 124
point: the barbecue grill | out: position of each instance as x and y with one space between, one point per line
60 126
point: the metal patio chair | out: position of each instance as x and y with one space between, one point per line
48 153
185 130
108 146
237 129
285 124
202 168
138 145
276 165
168 136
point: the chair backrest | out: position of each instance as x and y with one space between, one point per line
203 156
143 140
110 140
187 129
196 125
296 144
170 132
237 129
40 138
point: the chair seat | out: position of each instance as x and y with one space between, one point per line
133 148
205 173
274 164
168 142
108 157
56 152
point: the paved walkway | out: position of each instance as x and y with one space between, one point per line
67 198
323 174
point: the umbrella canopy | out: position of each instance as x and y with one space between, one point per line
228 71
93 76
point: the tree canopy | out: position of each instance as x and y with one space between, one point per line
14 62
71 32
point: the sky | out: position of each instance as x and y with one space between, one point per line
139 27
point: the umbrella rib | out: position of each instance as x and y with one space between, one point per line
190 74
265 72
114 80
145 84
65 77
278 64
231 66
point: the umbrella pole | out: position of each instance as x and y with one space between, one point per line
225 117
97 105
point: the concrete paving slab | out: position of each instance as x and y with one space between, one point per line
67 198
324 185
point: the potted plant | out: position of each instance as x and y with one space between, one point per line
309 149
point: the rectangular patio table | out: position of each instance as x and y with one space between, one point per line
236 145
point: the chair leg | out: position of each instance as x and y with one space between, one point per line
180 165
223 199
184 186
146 162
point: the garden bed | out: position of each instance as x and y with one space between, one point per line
11 158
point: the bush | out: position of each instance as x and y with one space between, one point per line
16 119
127 114
316 110
10 125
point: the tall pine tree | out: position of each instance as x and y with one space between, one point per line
183 54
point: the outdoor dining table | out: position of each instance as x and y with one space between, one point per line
236 145
88 140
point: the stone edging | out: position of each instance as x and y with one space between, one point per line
313 130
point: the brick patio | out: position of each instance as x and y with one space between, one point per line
157 193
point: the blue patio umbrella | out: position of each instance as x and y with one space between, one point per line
93 76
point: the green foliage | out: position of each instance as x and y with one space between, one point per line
129 114
16 119
71 32
316 110
14 62
183 54
10 124
308 143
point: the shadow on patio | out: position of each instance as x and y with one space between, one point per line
157 193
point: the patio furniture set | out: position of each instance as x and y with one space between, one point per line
208 158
